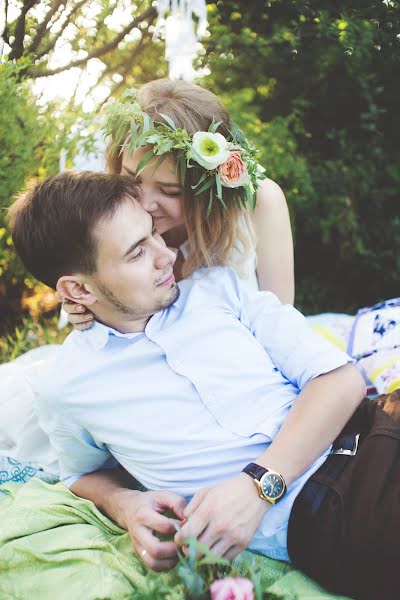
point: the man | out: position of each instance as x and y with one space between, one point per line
204 393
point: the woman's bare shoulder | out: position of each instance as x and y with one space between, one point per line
275 261
270 194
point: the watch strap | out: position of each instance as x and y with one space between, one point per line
255 471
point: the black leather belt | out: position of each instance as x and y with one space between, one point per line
314 492
346 444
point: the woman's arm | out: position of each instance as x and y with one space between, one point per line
275 262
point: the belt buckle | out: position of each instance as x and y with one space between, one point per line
348 451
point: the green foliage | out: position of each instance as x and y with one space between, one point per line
27 149
276 140
28 334
197 570
321 100
31 140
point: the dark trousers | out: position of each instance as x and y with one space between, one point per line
344 529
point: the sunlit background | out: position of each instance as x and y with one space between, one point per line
179 34
313 84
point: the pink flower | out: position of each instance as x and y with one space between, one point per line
232 588
233 172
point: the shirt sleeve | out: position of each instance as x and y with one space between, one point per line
77 451
298 352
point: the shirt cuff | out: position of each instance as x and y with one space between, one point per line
322 367
69 481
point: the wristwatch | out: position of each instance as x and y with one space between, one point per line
271 485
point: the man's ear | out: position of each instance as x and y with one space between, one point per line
73 288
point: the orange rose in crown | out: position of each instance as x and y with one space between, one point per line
233 172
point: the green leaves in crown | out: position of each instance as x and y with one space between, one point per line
226 163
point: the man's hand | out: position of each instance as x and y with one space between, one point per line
141 513
224 517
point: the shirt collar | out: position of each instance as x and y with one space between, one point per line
99 334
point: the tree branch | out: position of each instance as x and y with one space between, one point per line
71 103
53 41
150 14
113 68
141 46
43 26
138 50
18 44
5 32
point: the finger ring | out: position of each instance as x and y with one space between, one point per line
143 553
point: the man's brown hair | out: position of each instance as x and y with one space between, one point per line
52 223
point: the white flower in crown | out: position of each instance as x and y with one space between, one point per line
209 149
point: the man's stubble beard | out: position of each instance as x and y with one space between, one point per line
129 311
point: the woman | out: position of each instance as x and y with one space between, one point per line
228 234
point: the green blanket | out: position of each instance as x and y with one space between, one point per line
54 545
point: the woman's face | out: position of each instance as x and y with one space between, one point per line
162 195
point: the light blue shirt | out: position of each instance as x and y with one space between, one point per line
192 399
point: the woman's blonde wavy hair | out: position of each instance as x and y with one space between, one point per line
212 239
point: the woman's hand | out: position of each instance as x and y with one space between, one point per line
78 315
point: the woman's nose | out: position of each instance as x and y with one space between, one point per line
148 202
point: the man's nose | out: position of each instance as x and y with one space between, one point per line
165 256
147 201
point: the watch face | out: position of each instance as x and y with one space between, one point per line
272 485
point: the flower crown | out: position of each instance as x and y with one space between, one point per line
226 163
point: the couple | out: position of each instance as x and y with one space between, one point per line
203 393
225 236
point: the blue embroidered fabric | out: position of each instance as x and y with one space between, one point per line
13 470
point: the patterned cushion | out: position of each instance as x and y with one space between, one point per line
13 470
